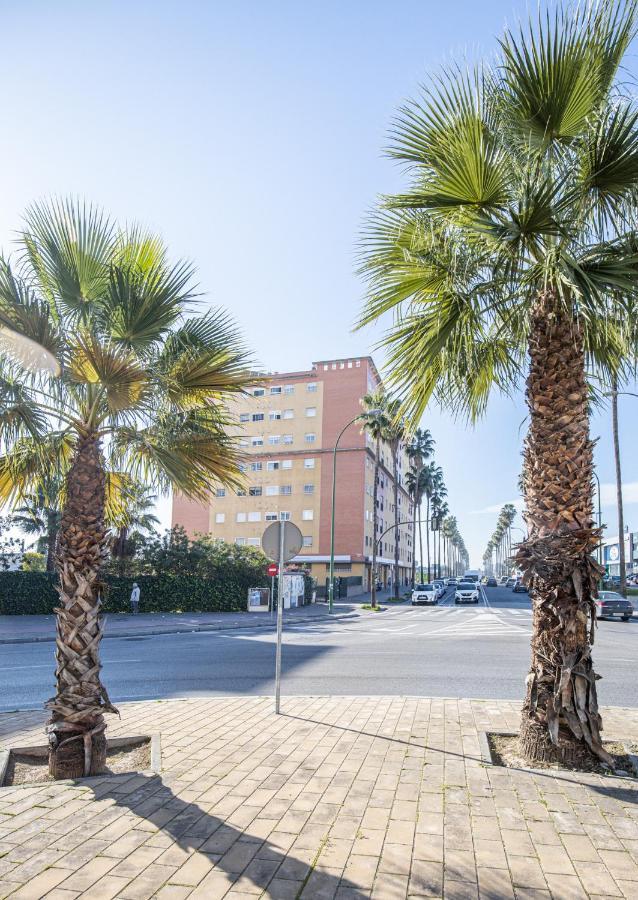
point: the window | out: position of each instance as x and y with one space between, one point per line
307 515
286 464
289 414
284 516
312 387
256 467
311 412
271 517
258 417
243 442
257 441
274 439
274 415
241 493
241 517
272 466
358 364
220 517
244 417
310 437
252 542
272 490
242 467
254 492
221 492
288 439
285 489
307 540
240 541
308 488
289 389
259 392
309 463
275 390
254 517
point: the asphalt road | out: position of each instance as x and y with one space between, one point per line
443 651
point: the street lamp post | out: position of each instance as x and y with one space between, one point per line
600 520
331 577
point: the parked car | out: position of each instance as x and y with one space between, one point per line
520 588
425 593
466 592
613 605
503 580
490 582
511 582
440 586
451 582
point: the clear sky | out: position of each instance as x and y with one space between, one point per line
250 135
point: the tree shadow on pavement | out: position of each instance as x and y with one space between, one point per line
245 861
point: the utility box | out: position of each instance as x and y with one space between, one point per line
258 600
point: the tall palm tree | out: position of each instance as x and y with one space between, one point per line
419 450
39 515
394 435
133 521
375 421
514 245
143 390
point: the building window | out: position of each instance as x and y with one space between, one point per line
240 541
244 417
307 515
308 488
256 466
259 392
274 415
220 492
307 540
241 493
243 442
286 464
257 441
254 517
220 517
312 387
242 467
289 414
272 466
358 364
254 492
271 517
285 489
241 517
258 417
274 439
289 389
288 439
253 542
311 412
310 437
272 490
284 516
275 390
309 463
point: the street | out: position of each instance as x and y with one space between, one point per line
445 651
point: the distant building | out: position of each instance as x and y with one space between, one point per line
288 429
611 554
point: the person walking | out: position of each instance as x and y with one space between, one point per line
135 598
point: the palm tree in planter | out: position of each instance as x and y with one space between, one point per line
514 248
143 391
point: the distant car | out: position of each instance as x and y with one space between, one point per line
511 582
425 594
503 580
440 586
451 582
490 582
520 588
466 592
613 605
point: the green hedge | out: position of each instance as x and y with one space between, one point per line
32 593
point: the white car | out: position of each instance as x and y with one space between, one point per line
440 586
466 592
425 593
451 582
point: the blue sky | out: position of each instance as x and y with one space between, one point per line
250 135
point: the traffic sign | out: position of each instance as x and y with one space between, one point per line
292 541
272 569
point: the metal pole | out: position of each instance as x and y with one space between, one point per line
272 595
600 525
331 577
280 618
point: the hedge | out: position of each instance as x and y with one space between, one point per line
32 593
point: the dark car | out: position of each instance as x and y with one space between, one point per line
612 605
520 588
491 582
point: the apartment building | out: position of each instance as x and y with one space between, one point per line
288 426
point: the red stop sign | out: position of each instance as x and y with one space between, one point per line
272 569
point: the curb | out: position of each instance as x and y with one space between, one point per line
188 629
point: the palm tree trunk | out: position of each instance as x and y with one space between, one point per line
560 715
421 541
52 539
395 473
619 502
427 535
414 539
375 525
76 728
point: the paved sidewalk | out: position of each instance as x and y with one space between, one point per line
352 797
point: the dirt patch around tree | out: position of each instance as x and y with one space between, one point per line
505 751
33 767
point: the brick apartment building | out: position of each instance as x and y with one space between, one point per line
288 428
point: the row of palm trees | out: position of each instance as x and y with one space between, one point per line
512 254
497 559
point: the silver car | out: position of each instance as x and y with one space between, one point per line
613 606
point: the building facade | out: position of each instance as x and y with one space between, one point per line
611 554
288 426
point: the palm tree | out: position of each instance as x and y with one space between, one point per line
143 391
39 515
132 522
419 450
375 421
394 435
432 475
514 245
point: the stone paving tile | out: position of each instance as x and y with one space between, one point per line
344 798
